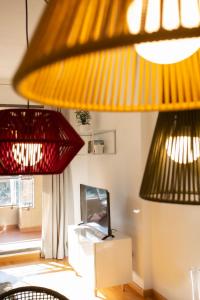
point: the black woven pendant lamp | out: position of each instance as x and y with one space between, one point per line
173 165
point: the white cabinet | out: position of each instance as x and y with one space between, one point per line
103 263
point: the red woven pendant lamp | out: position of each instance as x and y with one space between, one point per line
36 141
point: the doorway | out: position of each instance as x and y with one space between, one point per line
20 214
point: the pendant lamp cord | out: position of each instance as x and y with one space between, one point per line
27 40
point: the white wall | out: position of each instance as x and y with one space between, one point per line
12 35
121 175
13 43
8 216
79 172
175 248
174 232
166 241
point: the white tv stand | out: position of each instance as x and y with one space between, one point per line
102 263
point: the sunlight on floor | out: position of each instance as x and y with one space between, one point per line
59 276
100 295
51 275
19 245
29 270
59 265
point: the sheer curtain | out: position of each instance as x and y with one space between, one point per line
57 213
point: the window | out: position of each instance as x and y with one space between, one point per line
17 191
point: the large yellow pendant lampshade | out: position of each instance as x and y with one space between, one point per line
83 55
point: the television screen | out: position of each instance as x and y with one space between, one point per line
95 208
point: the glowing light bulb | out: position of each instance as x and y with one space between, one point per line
27 154
168 51
183 149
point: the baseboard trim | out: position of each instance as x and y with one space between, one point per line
149 293
136 288
146 293
31 229
158 296
9 227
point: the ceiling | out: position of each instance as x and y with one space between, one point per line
13 42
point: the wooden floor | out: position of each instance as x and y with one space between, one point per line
58 275
15 235
13 240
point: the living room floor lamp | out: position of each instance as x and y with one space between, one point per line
173 165
84 55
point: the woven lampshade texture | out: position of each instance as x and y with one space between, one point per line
173 166
82 56
24 129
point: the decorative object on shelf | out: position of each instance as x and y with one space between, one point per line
105 137
30 143
173 165
83 118
96 146
85 49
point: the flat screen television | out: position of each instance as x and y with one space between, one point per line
95 208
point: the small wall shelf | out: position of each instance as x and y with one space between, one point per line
99 142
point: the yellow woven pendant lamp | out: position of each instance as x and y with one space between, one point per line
82 56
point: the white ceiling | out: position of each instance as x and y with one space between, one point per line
13 41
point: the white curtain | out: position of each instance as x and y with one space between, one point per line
57 213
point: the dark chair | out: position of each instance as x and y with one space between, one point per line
31 293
